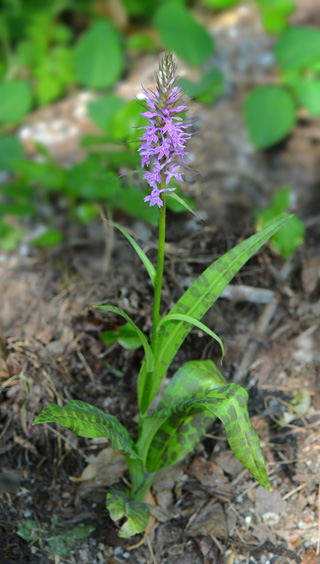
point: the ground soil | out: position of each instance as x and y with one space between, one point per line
210 509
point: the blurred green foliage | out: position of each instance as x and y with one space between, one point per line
54 538
291 234
49 49
270 112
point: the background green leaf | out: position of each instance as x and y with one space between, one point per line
270 115
291 234
10 236
61 542
143 339
126 336
181 33
102 111
221 4
49 238
275 14
207 89
308 92
10 149
15 100
298 47
98 56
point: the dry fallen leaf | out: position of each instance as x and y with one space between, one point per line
211 520
311 557
209 474
268 502
105 469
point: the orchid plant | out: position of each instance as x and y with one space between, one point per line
197 394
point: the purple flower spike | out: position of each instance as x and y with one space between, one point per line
164 140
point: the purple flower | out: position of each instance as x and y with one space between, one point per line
173 171
164 139
154 198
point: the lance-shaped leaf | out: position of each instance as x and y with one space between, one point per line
88 421
229 404
179 434
120 505
181 201
187 319
195 302
146 261
140 334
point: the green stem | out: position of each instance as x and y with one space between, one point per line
159 271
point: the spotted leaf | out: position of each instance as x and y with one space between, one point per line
179 434
120 505
88 421
229 404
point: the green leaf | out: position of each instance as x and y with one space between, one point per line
147 263
181 33
98 56
289 237
124 124
10 149
298 47
15 101
275 14
49 238
207 89
130 200
221 4
63 543
89 180
308 92
195 302
120 505
88 421
47 175
9 236
188 319
60 542
86 213
179 434
270 115
291 234
182 203
102 111
140 334
141 42
17 209
126 336
229 404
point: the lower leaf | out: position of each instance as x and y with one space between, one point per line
120 505
179 434
88 421
229 404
